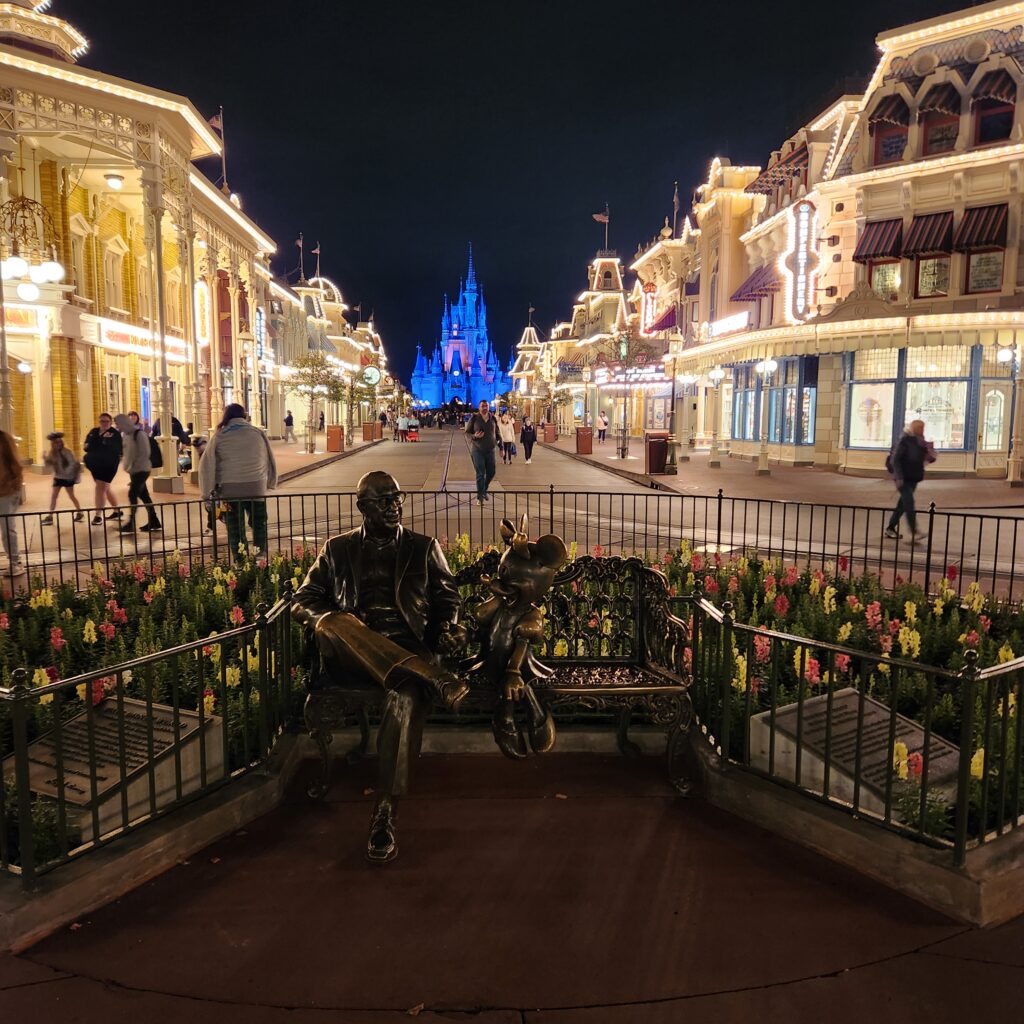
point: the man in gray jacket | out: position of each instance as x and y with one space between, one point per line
237 469
138 465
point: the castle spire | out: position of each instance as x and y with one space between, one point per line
471 273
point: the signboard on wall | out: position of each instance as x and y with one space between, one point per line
799 265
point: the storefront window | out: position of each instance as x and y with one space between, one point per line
933 276
871 411
985 271
993 420
807 409
885 279
942 405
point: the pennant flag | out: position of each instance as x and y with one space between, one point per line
298 242
531 310
217 121
316 251
601 218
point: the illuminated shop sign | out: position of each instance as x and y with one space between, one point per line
202 313
799 265
729 324
650 375
647 307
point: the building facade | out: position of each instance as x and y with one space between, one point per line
463 365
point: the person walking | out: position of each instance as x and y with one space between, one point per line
66 473
11 479
602 426
906 463
289 428
482 430
102 449
507 438
403 427
138 464
237 469
383 417
528 438
321 427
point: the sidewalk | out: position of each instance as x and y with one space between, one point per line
737 479
292 461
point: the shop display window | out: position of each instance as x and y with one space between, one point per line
876 364
807 410
995 408
932 276
985 271
871 414
942 404
885 279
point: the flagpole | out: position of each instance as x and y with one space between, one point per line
317 259
607 218
302 261
224 154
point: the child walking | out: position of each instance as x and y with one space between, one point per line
66 472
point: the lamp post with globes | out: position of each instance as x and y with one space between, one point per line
28 234
765 369
717 375
1015 463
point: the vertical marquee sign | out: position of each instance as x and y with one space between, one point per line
648 303
800 263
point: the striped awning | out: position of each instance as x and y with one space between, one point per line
882 240
791 166
941 99
890 110
665 322
997 86
761 282
984 227
930 235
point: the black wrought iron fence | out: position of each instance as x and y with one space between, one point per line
88 759
933 754
982 547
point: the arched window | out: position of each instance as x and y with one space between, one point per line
939 114
143 288
113 273
888 124
994 102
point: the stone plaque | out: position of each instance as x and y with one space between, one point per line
131 724
875 758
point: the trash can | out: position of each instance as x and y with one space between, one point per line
370 430
549 433
655 451
335 438
584 440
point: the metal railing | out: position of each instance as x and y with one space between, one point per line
929 753
981 547
91 758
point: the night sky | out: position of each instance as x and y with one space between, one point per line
396 132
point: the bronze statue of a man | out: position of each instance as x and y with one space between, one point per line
383 606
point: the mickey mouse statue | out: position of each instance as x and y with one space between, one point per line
509 622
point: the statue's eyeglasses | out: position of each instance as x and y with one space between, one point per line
395 498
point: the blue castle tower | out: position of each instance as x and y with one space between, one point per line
463 364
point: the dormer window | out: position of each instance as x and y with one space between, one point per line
940 119
994 103
888 124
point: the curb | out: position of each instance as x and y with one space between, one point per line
637 478
293 474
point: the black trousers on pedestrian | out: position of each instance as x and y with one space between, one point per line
528 449
905 506
138 491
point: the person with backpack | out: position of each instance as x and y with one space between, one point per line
141 454
102 458
289 428
906 464
67 471
237 470
528 438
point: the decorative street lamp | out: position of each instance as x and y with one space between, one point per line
586 373
765 369
686 427
674 348
27 231
717 375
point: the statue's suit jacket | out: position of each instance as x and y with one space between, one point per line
425 591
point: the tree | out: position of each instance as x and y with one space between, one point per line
316 378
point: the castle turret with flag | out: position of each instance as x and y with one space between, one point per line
463 364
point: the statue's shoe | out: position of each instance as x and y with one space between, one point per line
541 729
450 690
507 733
382 846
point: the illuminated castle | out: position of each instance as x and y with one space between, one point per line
463 365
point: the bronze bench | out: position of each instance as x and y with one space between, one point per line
616 649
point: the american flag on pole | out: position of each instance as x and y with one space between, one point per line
601 218
217 122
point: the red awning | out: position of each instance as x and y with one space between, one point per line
984 227
791 166
941 99
997 86
665 322
882 240
890 110
930 235
761 282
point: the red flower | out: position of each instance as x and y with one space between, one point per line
951 573
57 640
696 563
598 551
972 639
121 617
52 672
139 572
112 605
985 622
5 622
182 570
792 576
915 762
769 583
898 580
710 585
147 597
237 616
844 563
762 648
261 563
107 629
842 662
812 671
232 583
894 627
718 560
734 584
781 606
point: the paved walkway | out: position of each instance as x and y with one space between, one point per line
570 889
737 478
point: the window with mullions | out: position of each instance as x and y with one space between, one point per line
872 397
745 404
993 121
938 383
